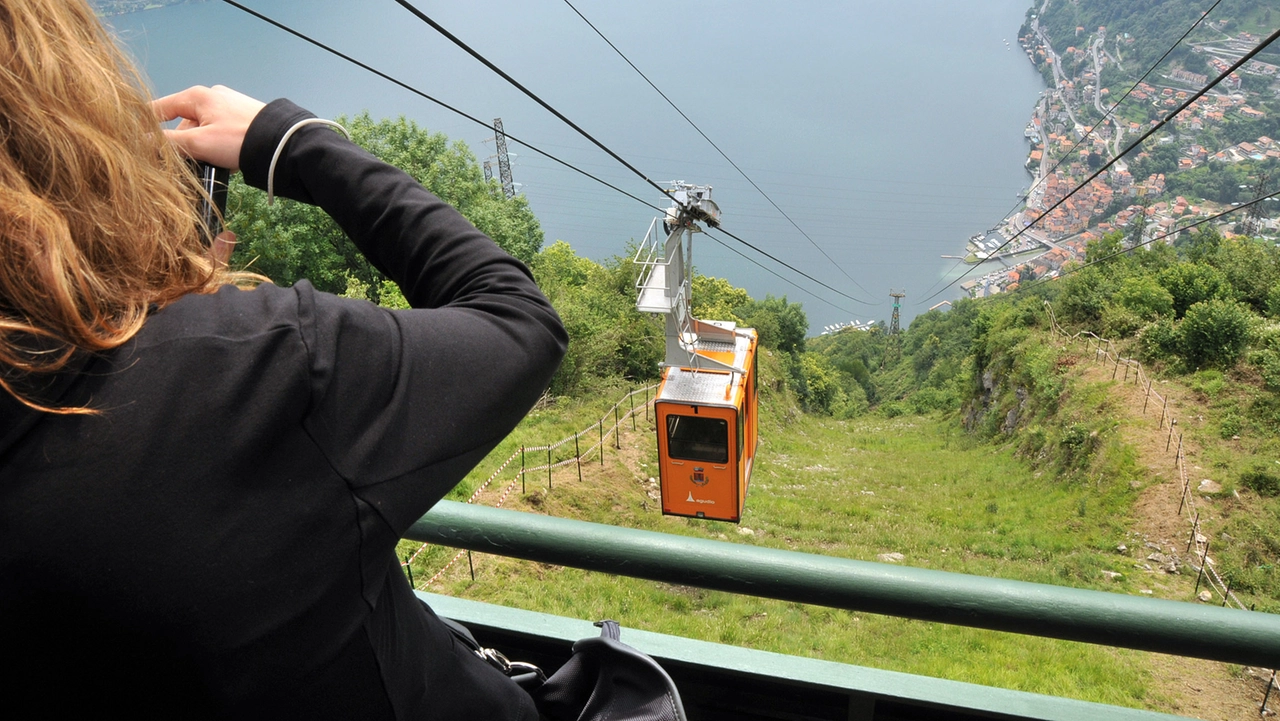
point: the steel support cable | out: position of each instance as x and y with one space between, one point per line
536 149
775 274
794 269
1110 110
533 96
437 101
1142 79
1164 121
717 147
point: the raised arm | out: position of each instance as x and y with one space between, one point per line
404 402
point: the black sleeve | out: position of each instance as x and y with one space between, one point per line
404 403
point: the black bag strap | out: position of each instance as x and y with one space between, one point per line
526 675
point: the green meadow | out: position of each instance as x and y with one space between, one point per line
914 485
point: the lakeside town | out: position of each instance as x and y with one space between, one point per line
1063 153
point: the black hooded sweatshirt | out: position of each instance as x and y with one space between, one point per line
218 541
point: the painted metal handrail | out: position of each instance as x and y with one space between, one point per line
1112 619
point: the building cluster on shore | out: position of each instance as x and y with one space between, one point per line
1061 156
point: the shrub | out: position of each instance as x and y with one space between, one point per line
1266 336
1084 296
1145 297
1120 322
1158 340
1273 302
1191 283
1262 480
1076 445
1268 362
1213 333
1229 426
893 409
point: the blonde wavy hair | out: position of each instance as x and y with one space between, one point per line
98 211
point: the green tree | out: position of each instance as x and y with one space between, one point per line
781 325
1214 332
1086 294
288 241
1161 159
1250 267
608 337
717 299
1191 283
1145 297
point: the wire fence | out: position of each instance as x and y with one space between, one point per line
1196 554
607 429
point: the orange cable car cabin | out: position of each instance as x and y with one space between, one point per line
706 405
707 434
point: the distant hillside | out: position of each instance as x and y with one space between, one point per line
1154 25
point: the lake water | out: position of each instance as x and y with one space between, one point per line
890 132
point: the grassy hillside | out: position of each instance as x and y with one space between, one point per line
1048 498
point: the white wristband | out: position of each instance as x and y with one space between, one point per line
271 171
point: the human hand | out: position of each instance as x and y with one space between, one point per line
214 122
223 246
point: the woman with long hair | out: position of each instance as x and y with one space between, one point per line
201 487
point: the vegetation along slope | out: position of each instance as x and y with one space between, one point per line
975 441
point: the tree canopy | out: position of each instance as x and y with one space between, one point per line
288 241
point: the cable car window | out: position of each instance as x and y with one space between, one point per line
692 438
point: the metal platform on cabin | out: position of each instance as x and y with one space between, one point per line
718 682
652 296
702 387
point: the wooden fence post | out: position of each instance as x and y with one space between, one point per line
1204 559
577 456
1263 708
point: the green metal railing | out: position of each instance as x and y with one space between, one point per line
1112 619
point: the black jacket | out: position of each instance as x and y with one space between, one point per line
218 541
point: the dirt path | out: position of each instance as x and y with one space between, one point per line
1191 687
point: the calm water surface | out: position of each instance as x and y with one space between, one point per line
889 132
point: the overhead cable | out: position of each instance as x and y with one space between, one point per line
777 275
1107 115
713 144
437 101
1142 79
1172 114
1198 223
534 148
485 61
794 269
